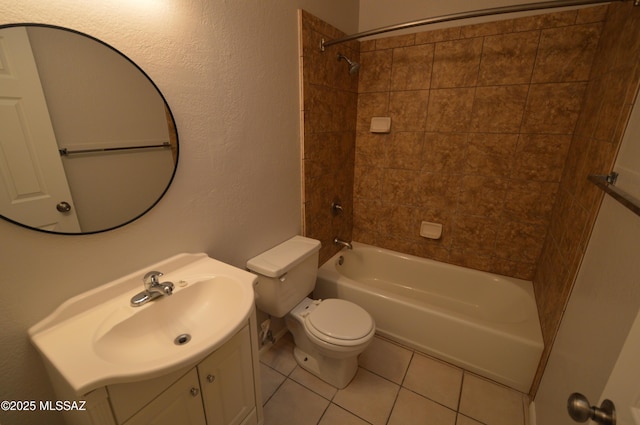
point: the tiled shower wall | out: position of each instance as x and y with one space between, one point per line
611 93
330 98
482 119
457 153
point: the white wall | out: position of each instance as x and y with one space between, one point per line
229 71
341 14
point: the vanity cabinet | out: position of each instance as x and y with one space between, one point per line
218 391
179 404
190 358
226 380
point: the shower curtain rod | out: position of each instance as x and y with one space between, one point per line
465 15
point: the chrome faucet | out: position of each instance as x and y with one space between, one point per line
337 241
153 289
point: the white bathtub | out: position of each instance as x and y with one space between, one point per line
485 323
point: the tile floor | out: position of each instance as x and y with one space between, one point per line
394 386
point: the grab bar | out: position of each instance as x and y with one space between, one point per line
606 183
65 151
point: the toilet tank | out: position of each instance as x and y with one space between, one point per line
286 274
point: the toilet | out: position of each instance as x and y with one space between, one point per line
328 334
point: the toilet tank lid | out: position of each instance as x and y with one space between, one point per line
283 257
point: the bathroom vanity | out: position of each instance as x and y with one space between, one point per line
189 357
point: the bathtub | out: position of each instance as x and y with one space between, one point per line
484 323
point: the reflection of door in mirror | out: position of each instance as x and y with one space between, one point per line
32 178
98 101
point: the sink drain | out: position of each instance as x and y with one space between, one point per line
182 339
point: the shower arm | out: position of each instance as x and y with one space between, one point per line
466 15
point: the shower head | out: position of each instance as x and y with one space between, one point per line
353 66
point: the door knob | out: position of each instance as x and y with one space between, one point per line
581 410
63 206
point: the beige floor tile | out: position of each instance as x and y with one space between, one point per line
490 403
314 383
338 416
270 381
434 380
368 396
386 359
413 409
280 356
463 420
294 404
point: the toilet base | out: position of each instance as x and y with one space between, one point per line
336 372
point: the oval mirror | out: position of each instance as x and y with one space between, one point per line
87 141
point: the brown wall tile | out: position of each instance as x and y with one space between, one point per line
456 63
566 53
395 41
371 105
375 71
444 152
490 154
499 109
553 108
450 110
412 67
482 196
444 34
408 110
405 151
474 234
541 157
520 242
438 192
508 58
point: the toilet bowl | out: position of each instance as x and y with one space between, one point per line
328 334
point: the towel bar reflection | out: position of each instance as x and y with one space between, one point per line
66 152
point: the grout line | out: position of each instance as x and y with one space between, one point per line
277 388
324 412
464 373
400 386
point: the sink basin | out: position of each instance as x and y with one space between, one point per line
202 310
97 338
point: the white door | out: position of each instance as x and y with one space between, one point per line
32 178
623 386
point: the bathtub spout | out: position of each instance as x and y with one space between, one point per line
343 243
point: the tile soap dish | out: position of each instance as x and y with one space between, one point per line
430 230
380 125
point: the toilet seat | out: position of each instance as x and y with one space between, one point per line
339 322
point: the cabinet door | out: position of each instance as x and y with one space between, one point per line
226 378
179 404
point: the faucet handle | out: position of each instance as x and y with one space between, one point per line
167 288
151 278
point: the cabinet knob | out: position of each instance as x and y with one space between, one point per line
211 378
194 391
